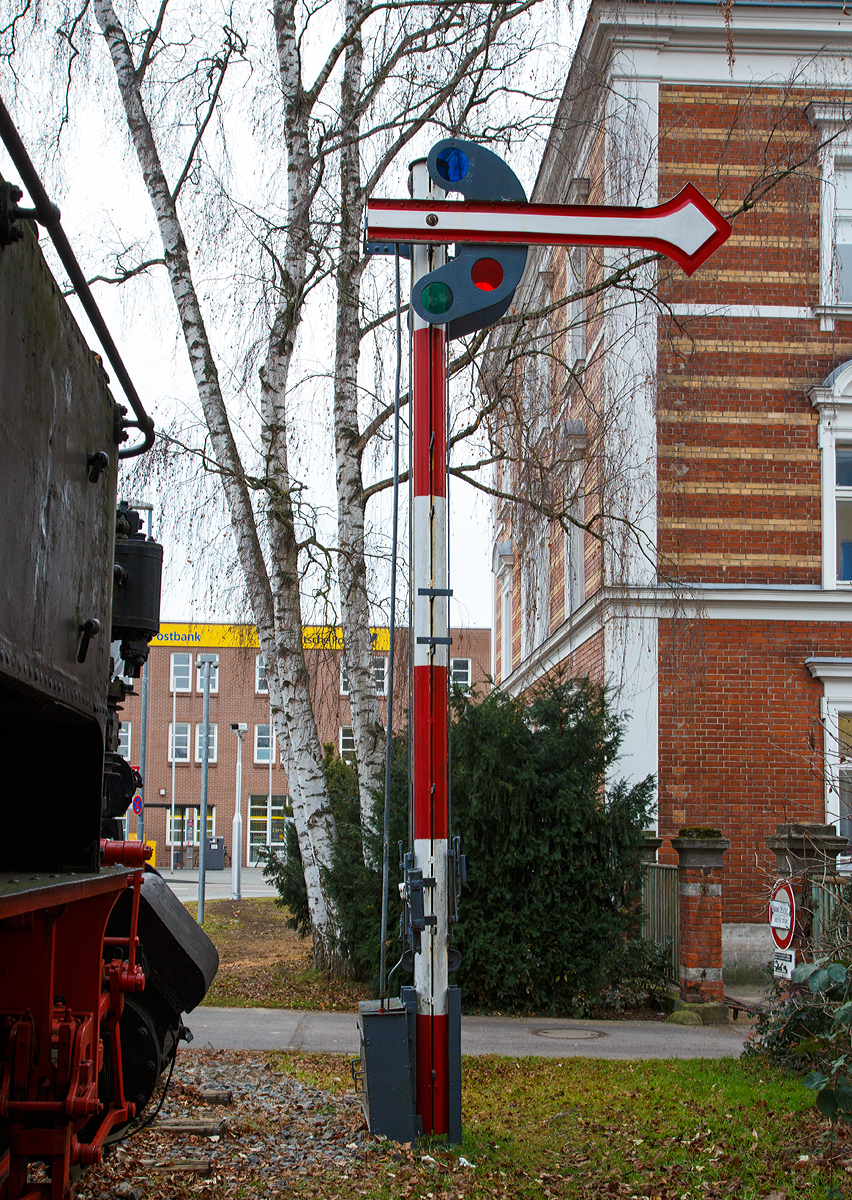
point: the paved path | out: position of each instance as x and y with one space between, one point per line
288 1029
217 884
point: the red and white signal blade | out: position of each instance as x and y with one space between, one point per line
687 229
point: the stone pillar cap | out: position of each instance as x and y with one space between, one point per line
805 847
693 850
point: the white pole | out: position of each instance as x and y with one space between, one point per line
237 827
204 661
174 721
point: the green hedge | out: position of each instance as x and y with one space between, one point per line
553 874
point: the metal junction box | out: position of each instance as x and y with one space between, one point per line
387 1067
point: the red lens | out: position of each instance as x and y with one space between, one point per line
487 274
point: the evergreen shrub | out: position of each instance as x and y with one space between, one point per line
553 877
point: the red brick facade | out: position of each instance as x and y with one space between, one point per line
237 700
704 429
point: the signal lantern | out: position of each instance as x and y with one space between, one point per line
475 288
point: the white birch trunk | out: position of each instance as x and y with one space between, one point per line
367 726
277 616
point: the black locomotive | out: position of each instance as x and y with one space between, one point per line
98 960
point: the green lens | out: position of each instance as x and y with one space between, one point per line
437 298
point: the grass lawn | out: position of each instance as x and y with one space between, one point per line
534 1129
590 1128
263 964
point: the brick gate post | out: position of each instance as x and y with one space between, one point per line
700 852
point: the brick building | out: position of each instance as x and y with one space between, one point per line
703 424
239 694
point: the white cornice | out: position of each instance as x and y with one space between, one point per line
793 603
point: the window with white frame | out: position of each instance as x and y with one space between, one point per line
460 673
843 512
835 674
187 823
267 825
214 676
260 684
506 628
264 744
833 400
179 742
575 560
835 271
379 668
843 232
125 740
211 742
347 742
380 673
181 677
576 311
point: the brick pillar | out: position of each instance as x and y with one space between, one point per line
700 852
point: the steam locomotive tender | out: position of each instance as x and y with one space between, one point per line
98 960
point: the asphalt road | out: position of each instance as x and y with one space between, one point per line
288 1029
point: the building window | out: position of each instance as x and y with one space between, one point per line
460 669
347 742
211 743
260 684
380 673
379 668
843 233
835 674
124 740
264 744
179 742
187 822
833 400
843 512
267 825
506 629
214 676
575 560
181 672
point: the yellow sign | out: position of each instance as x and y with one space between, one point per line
181 636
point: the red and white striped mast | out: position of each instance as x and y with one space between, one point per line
491 228
430 600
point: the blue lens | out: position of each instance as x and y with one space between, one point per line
452 164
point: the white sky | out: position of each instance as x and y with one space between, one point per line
99 196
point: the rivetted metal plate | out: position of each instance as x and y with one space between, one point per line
569 1033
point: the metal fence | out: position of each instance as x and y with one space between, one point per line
831 905
661 911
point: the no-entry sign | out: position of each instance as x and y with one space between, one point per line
782 925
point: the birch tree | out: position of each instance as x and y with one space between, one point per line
348 95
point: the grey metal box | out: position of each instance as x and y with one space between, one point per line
387 1068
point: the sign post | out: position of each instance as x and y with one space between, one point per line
491 227
782 926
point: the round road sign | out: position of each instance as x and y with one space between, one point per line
782 914
137 804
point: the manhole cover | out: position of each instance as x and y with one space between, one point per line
569 1035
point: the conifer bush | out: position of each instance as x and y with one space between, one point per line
553 873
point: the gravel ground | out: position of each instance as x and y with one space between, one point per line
276 1129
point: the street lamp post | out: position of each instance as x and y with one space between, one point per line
237 828
205 662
